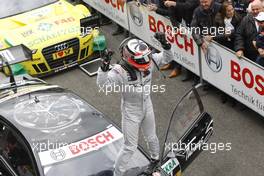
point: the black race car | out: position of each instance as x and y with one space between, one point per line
46 130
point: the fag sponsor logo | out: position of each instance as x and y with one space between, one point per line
117 4
80 148
247 77
183 42
64 21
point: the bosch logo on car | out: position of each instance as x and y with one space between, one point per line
58 155
90 143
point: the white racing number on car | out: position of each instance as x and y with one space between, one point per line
80 148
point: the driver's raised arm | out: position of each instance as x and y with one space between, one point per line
166 55
110 78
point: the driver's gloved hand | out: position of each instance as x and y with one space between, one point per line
151 167
160 36
106 58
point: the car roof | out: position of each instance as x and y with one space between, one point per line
50 114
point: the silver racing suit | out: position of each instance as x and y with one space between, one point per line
136 108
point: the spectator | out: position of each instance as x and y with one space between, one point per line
249 6
230 20
181 11
241 6
163 10
204 18
247 32
159 8
260 39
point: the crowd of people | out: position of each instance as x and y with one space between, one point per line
243 21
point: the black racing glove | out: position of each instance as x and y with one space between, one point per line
160 36
106 58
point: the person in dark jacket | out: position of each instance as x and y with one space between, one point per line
230 20
165 11
181 10
159 8
204 18
247 32
241 6
260 39
260 47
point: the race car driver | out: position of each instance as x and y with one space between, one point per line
133 74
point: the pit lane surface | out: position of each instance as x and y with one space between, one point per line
243 129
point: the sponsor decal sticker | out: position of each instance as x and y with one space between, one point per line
170 165
79 148
45 26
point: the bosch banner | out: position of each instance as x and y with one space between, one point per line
113 9
239 78
144 23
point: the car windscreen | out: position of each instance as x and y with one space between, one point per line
13 7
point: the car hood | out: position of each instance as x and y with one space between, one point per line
42 26
49 114
65 132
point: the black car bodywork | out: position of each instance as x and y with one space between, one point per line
48 130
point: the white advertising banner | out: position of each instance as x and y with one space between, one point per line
144 23
239 78
113 9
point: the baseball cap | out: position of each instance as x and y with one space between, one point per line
260 17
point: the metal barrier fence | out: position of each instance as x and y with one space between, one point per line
240 78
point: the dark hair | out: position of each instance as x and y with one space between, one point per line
224 7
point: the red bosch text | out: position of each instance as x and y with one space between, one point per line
181 41
248 78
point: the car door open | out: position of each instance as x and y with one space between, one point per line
189 128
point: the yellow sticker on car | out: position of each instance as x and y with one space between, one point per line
63 53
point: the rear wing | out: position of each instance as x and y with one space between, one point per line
14 55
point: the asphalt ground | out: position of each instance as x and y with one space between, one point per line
244 129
